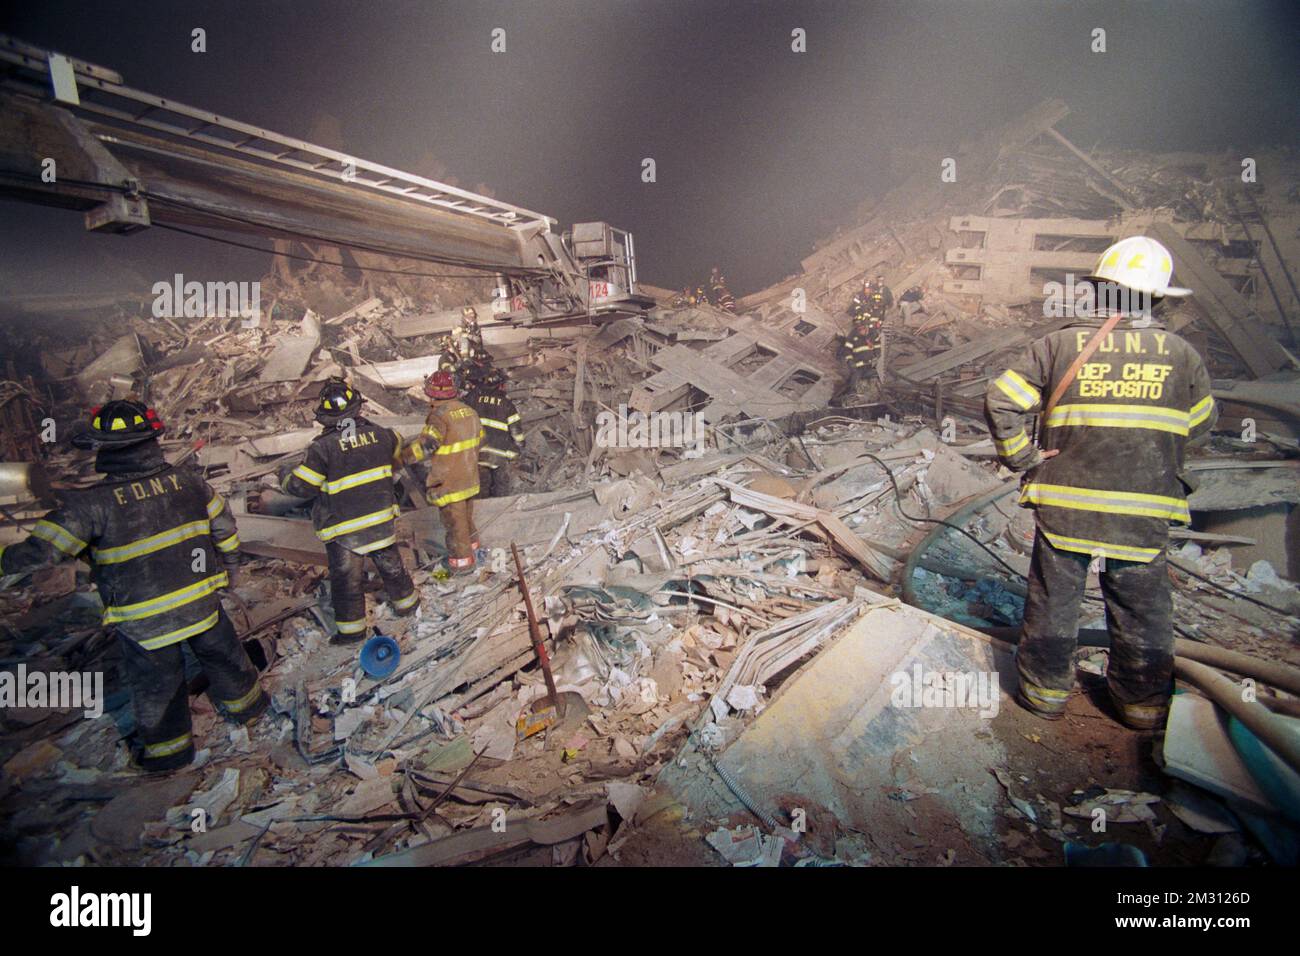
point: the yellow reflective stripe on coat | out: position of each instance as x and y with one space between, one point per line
1008 447
459 446
215 506
415 451
1106 549
358 524
357 478
165 602
309 475
512 419
1115 502
1200 411
167 747
453 496
180 634
61 538
1154 417
1017 389
155 542
489 450
431 432
375 545
493 423
351 627
228 545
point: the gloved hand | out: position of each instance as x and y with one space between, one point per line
1039 456
235 576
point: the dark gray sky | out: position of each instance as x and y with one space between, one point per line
759 150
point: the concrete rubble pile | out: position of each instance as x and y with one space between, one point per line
686 588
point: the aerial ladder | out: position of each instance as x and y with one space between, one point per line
73 134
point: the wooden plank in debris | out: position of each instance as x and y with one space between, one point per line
1222 306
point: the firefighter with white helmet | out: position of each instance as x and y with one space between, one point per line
1118 398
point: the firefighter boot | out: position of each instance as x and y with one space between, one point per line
1139 616
402 594
232 677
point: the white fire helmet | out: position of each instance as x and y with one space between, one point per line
1140 264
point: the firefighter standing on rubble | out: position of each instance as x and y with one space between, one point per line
860 348
152 533
503 436
872 301
470 359
453 433
1122 397
721 294
348 474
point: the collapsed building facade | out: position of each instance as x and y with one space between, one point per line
728 600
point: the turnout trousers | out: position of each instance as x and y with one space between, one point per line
161 694
494 482
462 535
1139 618
348 591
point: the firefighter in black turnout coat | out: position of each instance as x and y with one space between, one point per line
348 475
161 544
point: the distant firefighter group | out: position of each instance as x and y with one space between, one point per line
718 295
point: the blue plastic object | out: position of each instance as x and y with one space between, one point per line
380 656
1108 854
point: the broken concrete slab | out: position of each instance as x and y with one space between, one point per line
292 353
856 724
